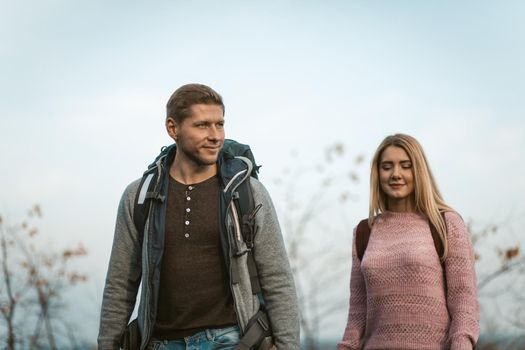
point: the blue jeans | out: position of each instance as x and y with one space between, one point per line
208 339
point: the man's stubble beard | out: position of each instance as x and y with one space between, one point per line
193 156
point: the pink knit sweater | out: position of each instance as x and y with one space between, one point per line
397 293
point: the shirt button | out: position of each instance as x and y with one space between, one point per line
187 222
186 235
188 210
188 198
190 188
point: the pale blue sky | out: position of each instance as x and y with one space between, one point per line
83 86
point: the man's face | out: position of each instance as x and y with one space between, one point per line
200 136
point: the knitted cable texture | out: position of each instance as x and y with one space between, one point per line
399 298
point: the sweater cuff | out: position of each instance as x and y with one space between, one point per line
461 343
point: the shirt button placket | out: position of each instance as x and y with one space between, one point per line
187 214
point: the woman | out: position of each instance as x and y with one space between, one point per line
402 294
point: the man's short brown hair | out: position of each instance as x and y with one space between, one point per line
180 102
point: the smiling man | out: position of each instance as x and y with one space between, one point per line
204 285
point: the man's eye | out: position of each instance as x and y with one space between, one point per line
220 125
202 126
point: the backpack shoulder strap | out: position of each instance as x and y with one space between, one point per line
142 201
361 238
148 190
245 205
247 211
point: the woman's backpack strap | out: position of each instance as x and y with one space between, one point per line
361 238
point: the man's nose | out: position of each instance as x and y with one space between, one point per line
213 133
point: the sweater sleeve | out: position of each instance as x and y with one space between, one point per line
275 274
462 299
123 276
355 327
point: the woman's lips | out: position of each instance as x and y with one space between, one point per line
395 186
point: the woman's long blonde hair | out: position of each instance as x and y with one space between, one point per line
427 198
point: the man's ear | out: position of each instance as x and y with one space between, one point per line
172 128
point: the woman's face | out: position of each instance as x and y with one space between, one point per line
396 178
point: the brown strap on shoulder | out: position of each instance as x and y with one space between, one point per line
361 238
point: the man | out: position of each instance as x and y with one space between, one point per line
196 291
